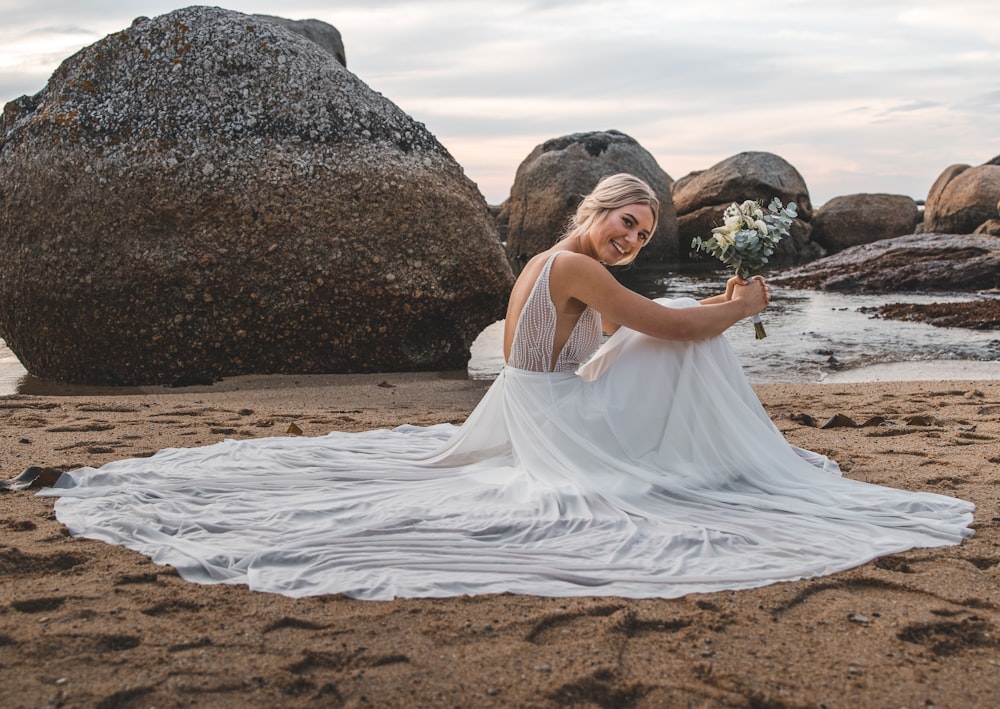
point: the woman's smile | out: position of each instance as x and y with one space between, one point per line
626 230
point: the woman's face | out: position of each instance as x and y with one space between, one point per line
617 238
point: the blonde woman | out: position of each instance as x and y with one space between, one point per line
642 467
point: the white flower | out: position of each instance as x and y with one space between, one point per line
752 210
724 237
732 221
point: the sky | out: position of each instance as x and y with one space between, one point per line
858 95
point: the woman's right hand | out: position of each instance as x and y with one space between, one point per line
753 293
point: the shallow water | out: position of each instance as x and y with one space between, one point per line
812 337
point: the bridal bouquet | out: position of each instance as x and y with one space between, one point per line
747 238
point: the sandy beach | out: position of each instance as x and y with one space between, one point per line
84 624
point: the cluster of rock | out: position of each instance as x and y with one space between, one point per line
965 200
952 246
207 193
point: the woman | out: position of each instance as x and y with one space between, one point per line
650 471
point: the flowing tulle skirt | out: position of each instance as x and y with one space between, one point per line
652 472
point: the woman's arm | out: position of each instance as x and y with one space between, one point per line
574 276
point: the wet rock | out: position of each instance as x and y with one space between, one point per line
701 197
962 198
559 173
915 262
207 194
855 219
983 314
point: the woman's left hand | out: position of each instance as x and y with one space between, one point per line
737 281
767 289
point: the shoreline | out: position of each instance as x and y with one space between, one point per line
914 370
84 623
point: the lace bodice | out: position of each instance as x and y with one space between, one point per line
534 336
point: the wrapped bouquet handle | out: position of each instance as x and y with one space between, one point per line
746 240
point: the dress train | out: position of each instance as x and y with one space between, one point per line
653 471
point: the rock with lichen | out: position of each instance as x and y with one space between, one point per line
325 35
208 194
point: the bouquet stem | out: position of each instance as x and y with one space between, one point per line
758 328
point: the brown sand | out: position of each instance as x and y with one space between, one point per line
84 624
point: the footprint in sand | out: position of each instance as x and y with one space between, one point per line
948 638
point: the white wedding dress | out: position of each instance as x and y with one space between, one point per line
651 471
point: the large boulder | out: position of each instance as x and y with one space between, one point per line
962 198
559 173
701 198
855 219
208 194
748 175
915 262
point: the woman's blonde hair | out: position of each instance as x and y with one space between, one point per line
611 193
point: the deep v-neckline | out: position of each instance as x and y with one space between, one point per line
555 355
535 333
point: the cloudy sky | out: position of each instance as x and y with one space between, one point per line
859 95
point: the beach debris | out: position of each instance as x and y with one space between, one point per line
293 430
264 423
921 420
386 385
804 419
876 421
32 477
859 618
840 421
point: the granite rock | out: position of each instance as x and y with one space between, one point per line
962 198
208 194
559 173
854 219
914 262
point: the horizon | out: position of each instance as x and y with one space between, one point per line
857 97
